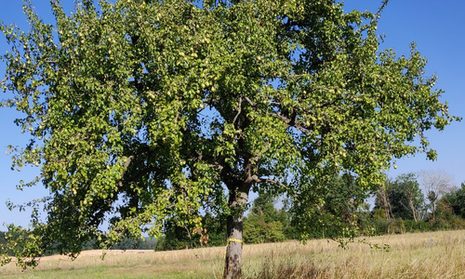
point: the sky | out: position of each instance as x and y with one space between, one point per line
437 27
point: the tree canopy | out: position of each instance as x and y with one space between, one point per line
144 111
265 223
456 201
402 198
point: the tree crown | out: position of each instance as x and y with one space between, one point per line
142 111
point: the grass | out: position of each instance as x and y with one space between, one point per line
418 255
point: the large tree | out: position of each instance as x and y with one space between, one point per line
142 111
402 198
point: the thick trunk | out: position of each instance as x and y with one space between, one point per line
233 261
386 204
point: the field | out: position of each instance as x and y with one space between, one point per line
419 255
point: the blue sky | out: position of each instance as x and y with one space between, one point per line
437 27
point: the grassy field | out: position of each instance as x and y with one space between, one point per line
419 255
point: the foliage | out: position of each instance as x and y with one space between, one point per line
2 239
407 200
454 200
215 230
399 226
264 223
340 211
442 215
404 197
140 112
176 237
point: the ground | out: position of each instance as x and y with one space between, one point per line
416 255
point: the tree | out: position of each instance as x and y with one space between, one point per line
212 234
456 200
3 251
405 196
436 184
142 111
382 202
339 211
432 197
264 223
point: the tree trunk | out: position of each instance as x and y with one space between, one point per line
414 211
233 261
386 204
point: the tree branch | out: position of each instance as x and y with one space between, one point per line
239 110
257 179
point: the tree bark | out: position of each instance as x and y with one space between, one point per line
386 203
233 262
412 208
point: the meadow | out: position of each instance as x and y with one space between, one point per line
412 255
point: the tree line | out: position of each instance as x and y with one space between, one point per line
400 205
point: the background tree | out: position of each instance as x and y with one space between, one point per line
435 184
382 207
432 197
264 223
145 111
340 211
2 238
213 234
4 253
456 201
405 197
399 206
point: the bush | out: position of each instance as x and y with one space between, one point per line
265 223
259 231
396 226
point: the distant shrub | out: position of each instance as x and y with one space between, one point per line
396 226
420 226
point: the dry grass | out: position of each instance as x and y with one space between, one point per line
420 255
